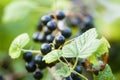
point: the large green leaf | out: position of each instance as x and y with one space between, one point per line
102 49
70 50
84 45
52 56
106 74
64 71
18 10
17 45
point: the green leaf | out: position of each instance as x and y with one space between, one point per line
106 74
64 71
18 10
52 56
83 46
17 45
70 50
102 49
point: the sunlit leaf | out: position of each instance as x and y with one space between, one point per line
64 71
106 74
52 56
17 45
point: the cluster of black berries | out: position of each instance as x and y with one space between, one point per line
49 27
84 23
35 64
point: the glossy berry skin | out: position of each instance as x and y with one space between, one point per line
41 64
45 19
68 78
52 25
47 31
66 32
31 67
35 36
45 48
50 38
78 69
39 27
27 56
59 40
41 38
60 15
38 74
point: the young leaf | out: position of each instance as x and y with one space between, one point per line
64 71
102 49
52 56
17 45
83 46
106 74
70 50
18 10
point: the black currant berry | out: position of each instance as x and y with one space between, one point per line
45 48
73 22
59 40
60 15
41 64
35 36
51 15
41 38
50 38
87 25
39 27
52 25
27 56
66 32
38 74
68 78
31 67
47 31
78 69
51 64
45 19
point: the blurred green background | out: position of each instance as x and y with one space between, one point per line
19 16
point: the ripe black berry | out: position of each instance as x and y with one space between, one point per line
31 67
59 40
50 38
45 19
27 56
41 38
45 48
39 27
35 36
47 31
38 74
60 15
66 32
87 25
78 69
41 64
52 25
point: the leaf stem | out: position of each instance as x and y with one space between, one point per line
82 76
62 62
76 61
33 51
